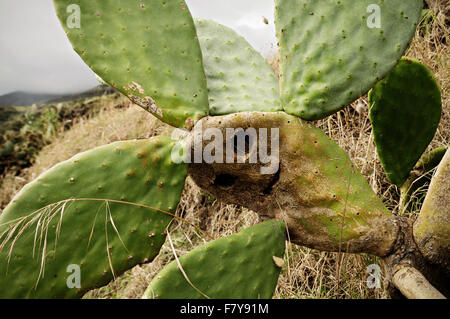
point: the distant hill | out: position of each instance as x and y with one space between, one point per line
23 98
97 91
20 103
26 98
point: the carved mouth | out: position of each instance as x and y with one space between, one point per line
225 180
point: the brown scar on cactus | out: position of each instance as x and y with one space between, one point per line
135 87
278 261
148 103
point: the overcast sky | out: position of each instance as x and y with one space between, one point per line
36 56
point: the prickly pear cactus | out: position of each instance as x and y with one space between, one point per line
405 110
146 49
62 220
239 79
106 210
239 266
332 52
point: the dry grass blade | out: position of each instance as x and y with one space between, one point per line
180 267
339 263
107 243
43 258
38 224
114 226
93 225
58 227
12 231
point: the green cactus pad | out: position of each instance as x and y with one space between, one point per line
239 266
146 49
405 110
239 79
329 56
98 236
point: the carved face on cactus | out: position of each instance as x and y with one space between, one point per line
315 189
199 75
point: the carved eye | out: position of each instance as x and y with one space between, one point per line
225 180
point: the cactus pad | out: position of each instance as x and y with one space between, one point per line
239 79
39 239
432 227
405 113
239 266
146 49
332 52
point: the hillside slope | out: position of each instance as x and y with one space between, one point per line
19 98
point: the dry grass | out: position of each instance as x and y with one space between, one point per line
308 273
